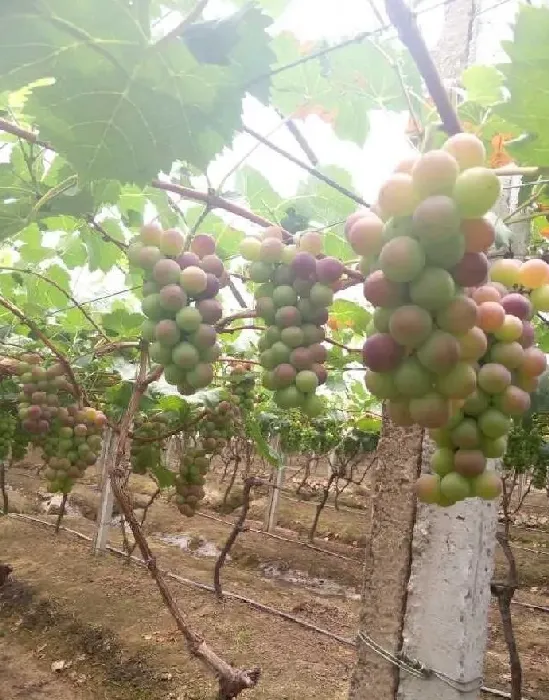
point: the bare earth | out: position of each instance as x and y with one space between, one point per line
103 618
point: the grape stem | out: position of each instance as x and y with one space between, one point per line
16 311
245 313
405 23
178 31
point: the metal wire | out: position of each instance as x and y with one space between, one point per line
418 670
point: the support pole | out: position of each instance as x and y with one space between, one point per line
104 517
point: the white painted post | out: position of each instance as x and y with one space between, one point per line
448 597
104 517
426 601
277 477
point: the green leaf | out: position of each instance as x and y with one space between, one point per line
122 322
264 449
102 112
31 249
61 277
343 86
526 79
164 476
483 85
351 314
101 255
258 192
322 202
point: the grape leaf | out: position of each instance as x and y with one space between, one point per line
526 79
483 85
102 112
351 314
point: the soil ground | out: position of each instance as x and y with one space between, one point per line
101 623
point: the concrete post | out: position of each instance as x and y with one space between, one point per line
277 476
104 517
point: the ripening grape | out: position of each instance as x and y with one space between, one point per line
365 234
436 219
510 329
487 485
476 190
397 196
467 149
382 353
486 293
439 353
517 305
412 380
493 378
491 316
430 411
539 298
471 270
381 291
427 488
435 173
459 382
401 259
479 235
505 271
410 325
472 344
469 463
458 316
534 362
533 274
433 289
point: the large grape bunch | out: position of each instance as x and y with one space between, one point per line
294 288
180 302
421 254
507 374
72 445
146 453
7 432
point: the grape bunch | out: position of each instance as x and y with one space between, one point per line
180 302
72 445
7 433
425 248
241 384
40 391
506 375
294 288
147 454
217 426
189 483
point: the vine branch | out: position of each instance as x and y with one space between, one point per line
405 23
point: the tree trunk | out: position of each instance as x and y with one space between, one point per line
388 559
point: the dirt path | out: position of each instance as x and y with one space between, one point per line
24 677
